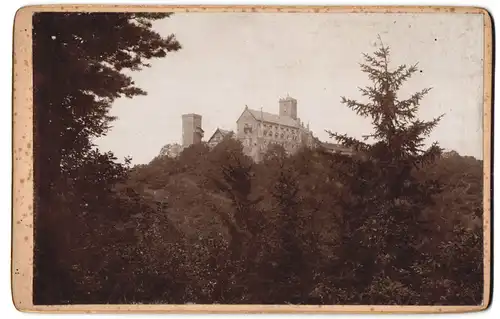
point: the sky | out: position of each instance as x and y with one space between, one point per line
230 60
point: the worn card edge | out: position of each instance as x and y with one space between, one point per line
22 192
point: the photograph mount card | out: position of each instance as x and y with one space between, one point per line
252 159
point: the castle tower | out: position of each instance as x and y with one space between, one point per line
192 133
288 107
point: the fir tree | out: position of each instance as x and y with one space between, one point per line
385 224
397 130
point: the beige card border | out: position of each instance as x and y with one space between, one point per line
22 222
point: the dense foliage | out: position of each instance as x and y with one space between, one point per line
78 64
393 224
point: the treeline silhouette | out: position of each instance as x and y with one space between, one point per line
213 227
395 223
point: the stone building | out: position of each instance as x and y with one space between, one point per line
171 150
218 136
256 130
335 148
192 133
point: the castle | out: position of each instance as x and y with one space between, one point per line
256 130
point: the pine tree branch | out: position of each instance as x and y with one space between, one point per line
422 128
429 156
360 109
409 107
348 142
372 61
402 74
374 74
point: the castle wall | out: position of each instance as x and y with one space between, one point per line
256 137
255 130
216 139
247 131
288 107
190 129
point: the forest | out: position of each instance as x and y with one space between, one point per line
395 223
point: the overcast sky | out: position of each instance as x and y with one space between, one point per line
230 60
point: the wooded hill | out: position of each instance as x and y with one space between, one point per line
213 227
396 223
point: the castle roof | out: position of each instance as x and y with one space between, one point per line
224 133
274 118
334 147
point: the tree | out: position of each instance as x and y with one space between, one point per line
291 262
79 61
384 219
454 255
232 175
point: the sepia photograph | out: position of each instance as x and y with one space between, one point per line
314 157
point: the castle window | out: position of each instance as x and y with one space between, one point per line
247 128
